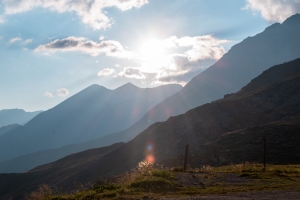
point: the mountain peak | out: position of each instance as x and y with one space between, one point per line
127 86
95 87
292 20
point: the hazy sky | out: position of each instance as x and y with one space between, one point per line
50 50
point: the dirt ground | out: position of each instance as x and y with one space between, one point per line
264 195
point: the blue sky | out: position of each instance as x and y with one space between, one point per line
49 51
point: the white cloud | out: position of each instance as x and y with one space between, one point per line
194 54
48 94
16 39
274 10
109 47
132 72
62 92
28 41
106 72
2 20
89 11
202 47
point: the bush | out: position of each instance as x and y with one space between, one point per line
44 192
163 174
178 169
145 168
152 183
103 188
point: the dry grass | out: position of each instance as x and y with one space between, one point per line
150 181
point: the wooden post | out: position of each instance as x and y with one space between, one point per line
265 144
186 157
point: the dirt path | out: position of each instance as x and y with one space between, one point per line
264 195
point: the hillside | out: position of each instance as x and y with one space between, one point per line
222 132
94 112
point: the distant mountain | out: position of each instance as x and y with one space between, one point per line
16 116
6 129
226 131
91 113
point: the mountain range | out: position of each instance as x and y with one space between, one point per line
277 44
229 130
16 116
94 112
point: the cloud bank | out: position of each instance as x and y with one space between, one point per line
274 10
109 47
62 92
106 72
132 72
16 39
202 51
2 20
89 11
48 94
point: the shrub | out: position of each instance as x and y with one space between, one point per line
145 168
44 192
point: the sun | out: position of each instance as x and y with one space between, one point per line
153 55
152 49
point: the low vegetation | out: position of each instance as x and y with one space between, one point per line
149 181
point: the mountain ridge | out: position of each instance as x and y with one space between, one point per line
16 116
89 114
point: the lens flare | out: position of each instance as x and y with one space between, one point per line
150 158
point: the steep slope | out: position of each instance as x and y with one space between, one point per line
91 113
58 170
277 44
16 116
226 131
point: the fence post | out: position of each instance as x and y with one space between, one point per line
186 157
265 144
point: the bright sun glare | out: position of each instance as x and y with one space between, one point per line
153 55
152 49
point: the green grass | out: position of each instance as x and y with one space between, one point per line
214 180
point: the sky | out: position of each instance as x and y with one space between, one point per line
51 50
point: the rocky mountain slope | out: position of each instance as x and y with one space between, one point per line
226 131
91 113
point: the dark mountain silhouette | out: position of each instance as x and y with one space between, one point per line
229 130
16 116
91 113
276 44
